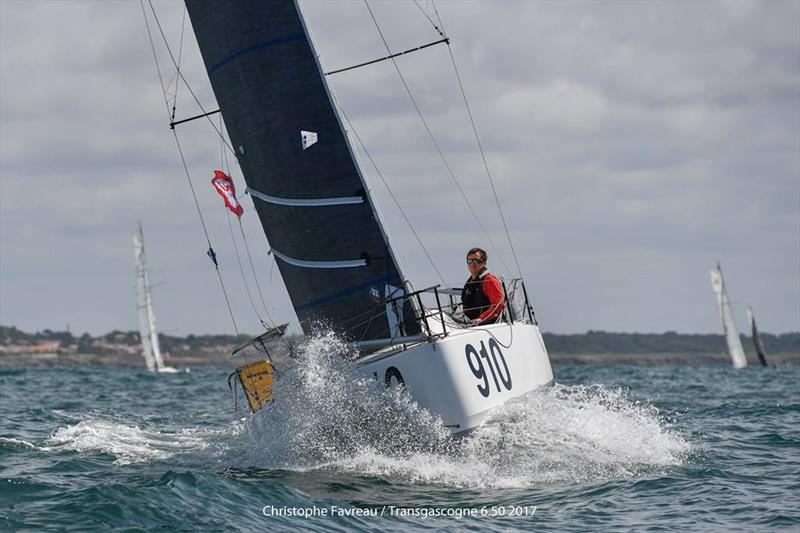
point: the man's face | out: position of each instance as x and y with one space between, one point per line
474 263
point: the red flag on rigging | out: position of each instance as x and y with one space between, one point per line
224 185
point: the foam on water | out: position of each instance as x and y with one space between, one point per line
562 434
12 442
326 409
328 416
131 444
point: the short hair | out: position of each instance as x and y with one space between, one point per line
478 251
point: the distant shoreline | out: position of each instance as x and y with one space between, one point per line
224 359
692 359
123 348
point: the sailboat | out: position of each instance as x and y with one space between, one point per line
757 344
327 236
151 348
728 324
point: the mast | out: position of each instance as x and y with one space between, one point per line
728 324
142 300
757 344
309 193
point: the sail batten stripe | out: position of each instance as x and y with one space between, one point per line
308 202
303 263
253 47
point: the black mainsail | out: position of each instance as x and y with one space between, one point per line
757 344
308 191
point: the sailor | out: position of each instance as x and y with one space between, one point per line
482 296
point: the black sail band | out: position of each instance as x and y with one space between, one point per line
354 263
307 202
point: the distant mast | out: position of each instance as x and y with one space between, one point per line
759 346
148 331
728 324
142 290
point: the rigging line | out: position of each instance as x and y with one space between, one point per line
391 194
272 322
366 63
436 11
241 269
435 143
183 161
180 55
440 31
255 277
485 163
185 81
155 57
224 164
477 138
205 230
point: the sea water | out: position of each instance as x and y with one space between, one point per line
608 447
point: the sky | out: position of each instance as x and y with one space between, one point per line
632 145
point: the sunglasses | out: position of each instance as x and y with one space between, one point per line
474 261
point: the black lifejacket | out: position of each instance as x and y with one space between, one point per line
473 300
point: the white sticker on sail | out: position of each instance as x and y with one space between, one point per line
308 138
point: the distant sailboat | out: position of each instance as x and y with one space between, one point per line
728 324
759 346
151 349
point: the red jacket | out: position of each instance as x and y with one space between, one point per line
483 295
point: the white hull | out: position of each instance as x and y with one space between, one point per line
463 376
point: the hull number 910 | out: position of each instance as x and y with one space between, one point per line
496 363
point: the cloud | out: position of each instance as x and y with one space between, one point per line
632 145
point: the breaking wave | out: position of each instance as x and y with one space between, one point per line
328 416
131 444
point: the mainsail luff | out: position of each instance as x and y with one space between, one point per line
142 300
334 257
757 344
728 324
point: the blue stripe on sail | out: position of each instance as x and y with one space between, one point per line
351 290
257 46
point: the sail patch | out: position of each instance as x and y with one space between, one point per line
307 202
308 138
319 264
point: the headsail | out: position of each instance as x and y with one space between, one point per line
728 324
307 189
757 344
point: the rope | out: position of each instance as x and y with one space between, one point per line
439 31
391 194
175 63
435 143
224 161
185 167
255 277
483 156
180 55
241 269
